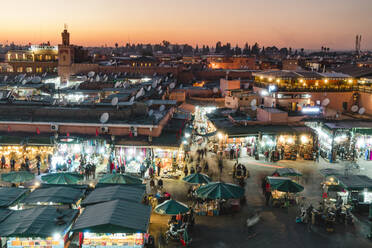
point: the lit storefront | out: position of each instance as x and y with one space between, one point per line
293 145
20 152
69 152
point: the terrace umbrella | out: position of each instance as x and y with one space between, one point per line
62 178
17 177
197 178
120 179
171 207
220 190
284 184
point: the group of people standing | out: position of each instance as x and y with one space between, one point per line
25 165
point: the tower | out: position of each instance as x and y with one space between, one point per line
65 37
358 40
66 56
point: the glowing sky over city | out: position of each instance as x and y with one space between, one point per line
292 23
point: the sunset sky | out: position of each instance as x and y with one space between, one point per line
292 23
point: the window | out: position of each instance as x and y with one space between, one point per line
20 69
39 70
48 57
40 57
9 69
134 64
29 69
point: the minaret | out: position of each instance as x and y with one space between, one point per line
65 37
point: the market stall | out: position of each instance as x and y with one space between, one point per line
290 146
58 195
10 197
42 227
283 191
121 224
132 157
355 190
218 198
19 153
127 192
69 153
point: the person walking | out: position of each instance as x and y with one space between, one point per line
3 161
158 168
93 171
206 167
186 171
12 164
220 165
27 164
38 164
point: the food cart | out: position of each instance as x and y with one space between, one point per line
43 227
121 224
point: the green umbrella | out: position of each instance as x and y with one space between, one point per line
197 178
62 178
171 207
120 179
284 184
220 190
17 177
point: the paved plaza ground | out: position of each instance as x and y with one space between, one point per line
277 227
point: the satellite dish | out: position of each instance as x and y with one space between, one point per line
253 102
117 84
153 85
254 107
160 92
354 108
162 108
172 85
166 79
151 112
98 78
24 81
325 102
131 99
139 94
362 111
148 88
84 78
114 101
215 90
125 84
104 118
91 74
36 80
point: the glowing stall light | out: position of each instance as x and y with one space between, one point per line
220 136
187 135
290 140
77 148
56 160
311 110
360 142
272 88
56 236
304 139
340 138
146 79
282 139
184 142
270 79
102 150
264 93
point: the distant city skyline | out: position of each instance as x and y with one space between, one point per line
284 23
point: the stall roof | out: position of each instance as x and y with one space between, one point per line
285 172
355 182
64 195
8 196
117 192
114 217
349 124
37 222
4 213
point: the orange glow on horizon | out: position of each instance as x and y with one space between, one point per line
269 22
